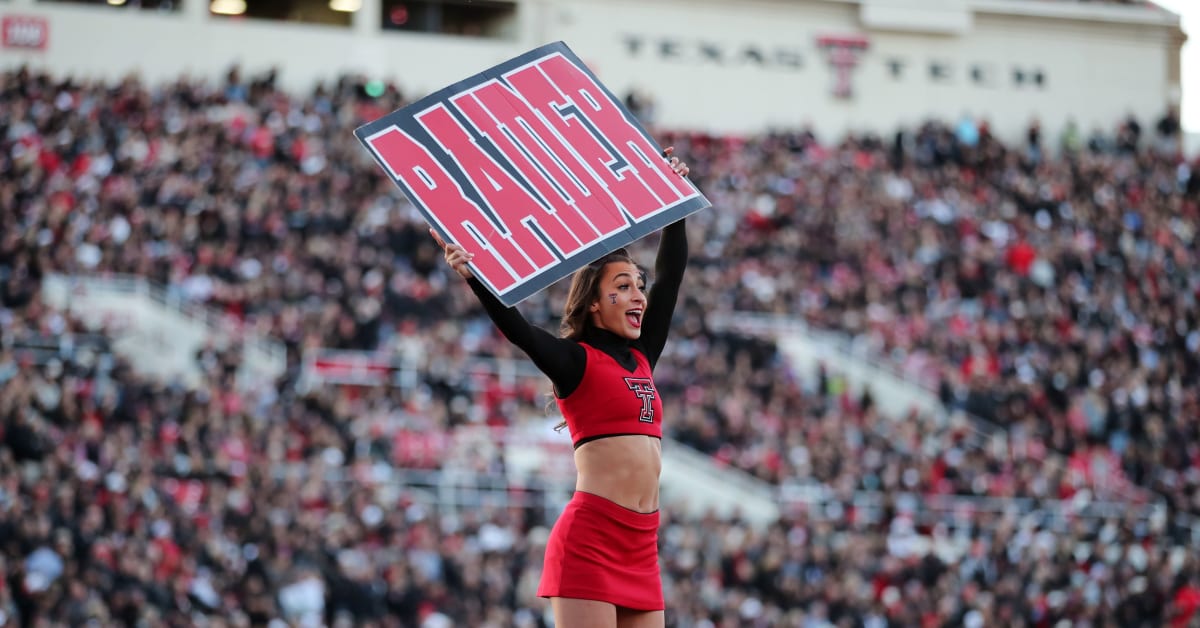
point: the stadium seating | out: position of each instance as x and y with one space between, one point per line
1048 289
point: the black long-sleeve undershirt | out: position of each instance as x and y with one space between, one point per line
563 360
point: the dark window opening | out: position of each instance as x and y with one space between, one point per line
470 18
129 5
306 11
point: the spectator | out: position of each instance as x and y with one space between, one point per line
1053 296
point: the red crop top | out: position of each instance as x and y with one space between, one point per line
611 401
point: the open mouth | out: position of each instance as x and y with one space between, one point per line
634 317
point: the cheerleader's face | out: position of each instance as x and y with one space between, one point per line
621 301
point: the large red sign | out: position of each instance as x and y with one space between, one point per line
533 166
23 31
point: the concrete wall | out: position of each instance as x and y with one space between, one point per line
721 66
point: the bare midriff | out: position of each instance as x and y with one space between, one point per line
621 469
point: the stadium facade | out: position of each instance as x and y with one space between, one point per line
727 67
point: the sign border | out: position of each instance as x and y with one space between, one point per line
542 279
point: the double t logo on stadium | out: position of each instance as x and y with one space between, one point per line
534 166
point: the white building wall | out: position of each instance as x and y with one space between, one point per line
1099 62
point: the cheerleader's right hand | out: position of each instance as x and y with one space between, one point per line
456 256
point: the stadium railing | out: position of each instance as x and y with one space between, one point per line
689 475
689 478
40 349
446 491
872 507
865 372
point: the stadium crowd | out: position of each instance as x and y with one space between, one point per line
127 501
1052 292
1050 289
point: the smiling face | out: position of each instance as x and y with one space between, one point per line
620 301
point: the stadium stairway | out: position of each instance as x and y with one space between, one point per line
159 330
810 349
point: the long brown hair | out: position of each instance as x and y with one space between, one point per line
585 289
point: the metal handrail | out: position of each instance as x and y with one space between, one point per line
448 490
928 504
